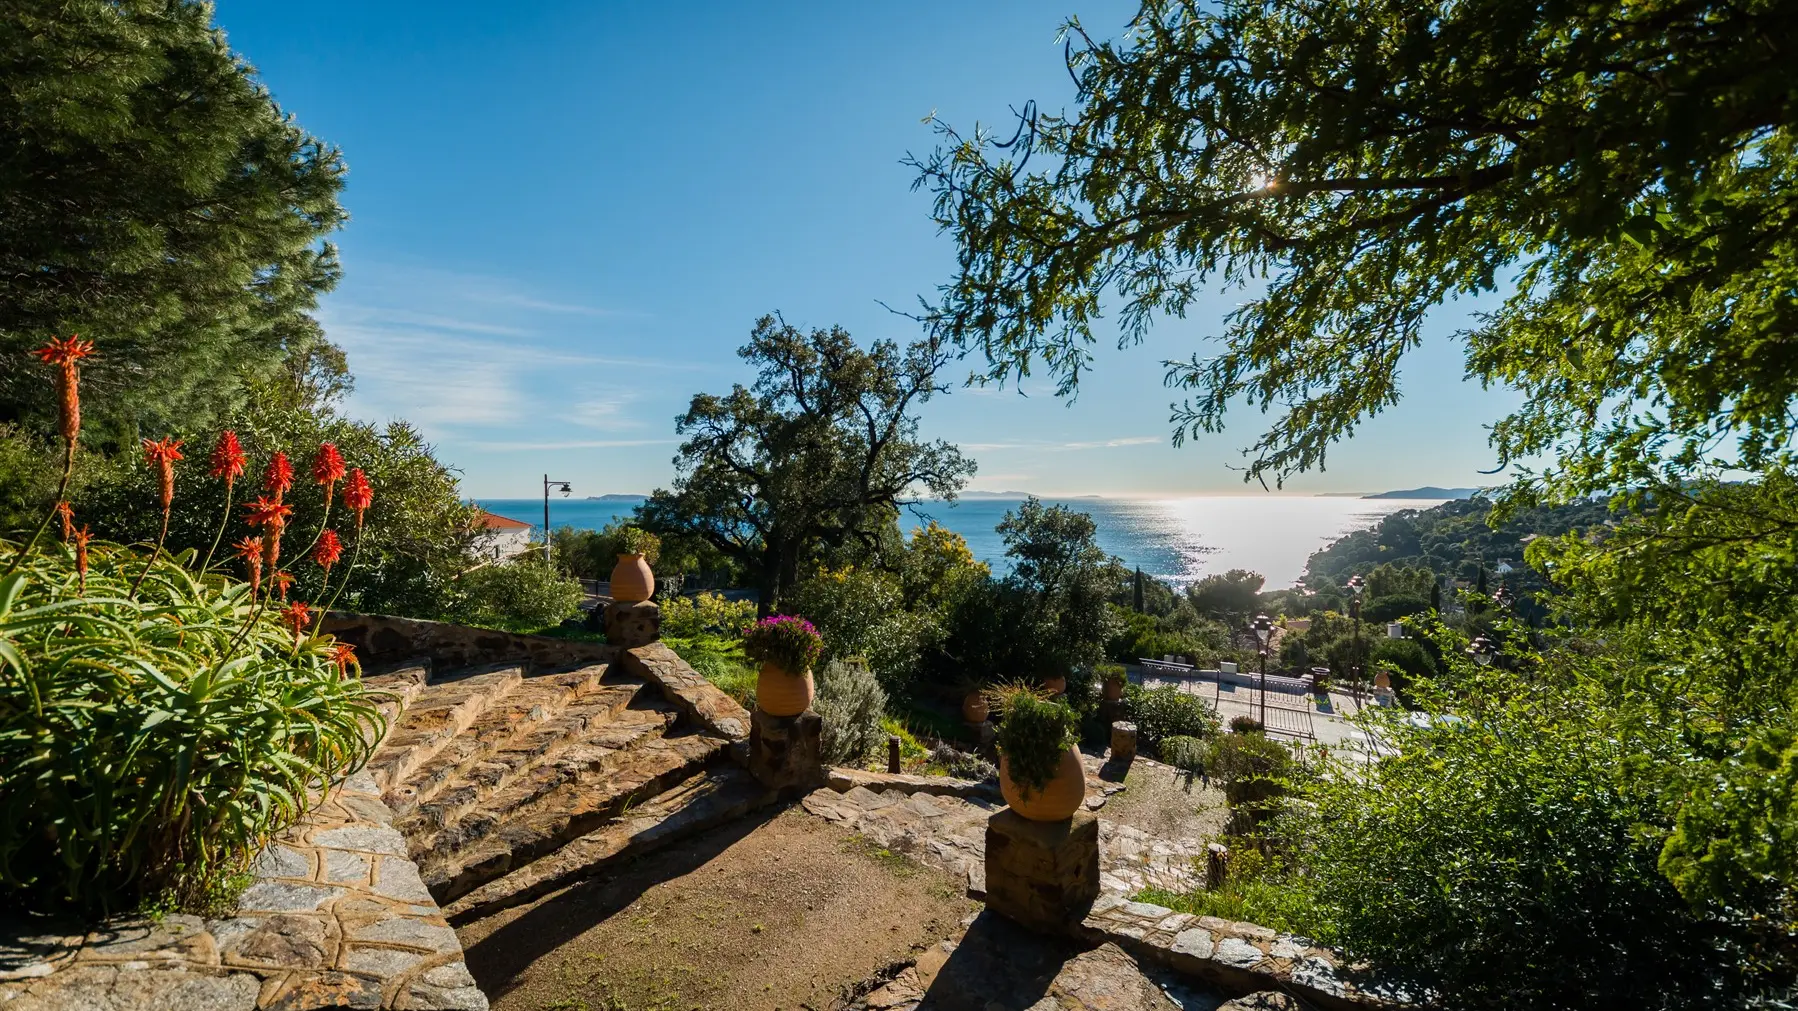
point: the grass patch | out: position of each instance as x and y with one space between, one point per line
1258 891
720 660
897 864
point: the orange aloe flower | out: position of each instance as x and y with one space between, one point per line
327 466
329 550
81 538
279 476
228 457
281 581
358 495
67 515
343 655
66 353
250 550
297 616
272 518
162 455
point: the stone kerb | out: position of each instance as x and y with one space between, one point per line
687 690
384 639
336 916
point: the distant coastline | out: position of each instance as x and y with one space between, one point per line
1429 492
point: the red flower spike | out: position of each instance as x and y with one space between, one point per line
228 459
66 353
162 455
81 538
329 550
343 655
250 550
264 512
281 582
358 494
67 515
296 617
279 476
327 466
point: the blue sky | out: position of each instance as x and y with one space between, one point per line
565 217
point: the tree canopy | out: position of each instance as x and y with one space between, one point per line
817 456
1356 165
153 196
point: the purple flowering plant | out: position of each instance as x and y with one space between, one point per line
785 640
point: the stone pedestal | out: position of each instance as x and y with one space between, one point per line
784 751
631 625
1043 875
1123 741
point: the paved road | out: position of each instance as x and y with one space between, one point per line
1285 710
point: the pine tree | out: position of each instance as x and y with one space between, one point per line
153 198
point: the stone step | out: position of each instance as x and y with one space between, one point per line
557 803
694 806
548 706
437 714
401 685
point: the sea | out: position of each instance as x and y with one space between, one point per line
1175 539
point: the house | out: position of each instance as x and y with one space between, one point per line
500 537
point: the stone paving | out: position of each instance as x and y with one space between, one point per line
337 916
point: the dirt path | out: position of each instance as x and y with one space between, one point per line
772 912
1167 803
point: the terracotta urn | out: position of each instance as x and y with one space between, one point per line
1057 800
632 580
1055 685
1114 687
974 708
780 693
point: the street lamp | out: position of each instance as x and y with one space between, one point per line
548 557
1483 650
1355 585
1264 629
1503 598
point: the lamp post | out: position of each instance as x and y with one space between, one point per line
1502 598
548 556
1483 650
1264 628
1355 585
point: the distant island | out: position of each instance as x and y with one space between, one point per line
995 494
617 498
1429 491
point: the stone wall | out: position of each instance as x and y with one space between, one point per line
336 917
383 639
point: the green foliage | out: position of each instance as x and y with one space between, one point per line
1739 840
592 554
813 459
1164 712
1033 735
1228 596
852 704
1263 888
1509 854
1255 770
150 743
720 660
1183 753
522 596
1394 606
1360 165
861 613
155 197
705 614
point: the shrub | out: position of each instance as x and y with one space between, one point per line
521 596
860 612
1252 767
1167 711
1246 725
704 613
150 743
962 764
1261 888
851 701
1033 736
1183 753
785 640
1394 606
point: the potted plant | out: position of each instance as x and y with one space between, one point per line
1112 675
974 705
1040 774
788 646
632 579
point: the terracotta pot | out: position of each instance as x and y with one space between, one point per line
779 693
974 708
1058 800
1056 685
1114 688
632 580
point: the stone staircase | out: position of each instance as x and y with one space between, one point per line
509 781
